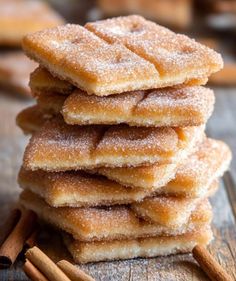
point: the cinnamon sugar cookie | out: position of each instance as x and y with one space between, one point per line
79 189
128 53
118 222
42 81
185 106
31 119
88 61
210 161
84 252
15 69
59 147
177 58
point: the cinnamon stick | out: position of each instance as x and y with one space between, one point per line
9 224
45 265
14 243
32 272
73 272
209 265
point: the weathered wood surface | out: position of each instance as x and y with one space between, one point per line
180 268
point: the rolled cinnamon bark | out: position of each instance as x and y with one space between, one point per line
45 265
209 265
32 272
73 272
14 243
9 224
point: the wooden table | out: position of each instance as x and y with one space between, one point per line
182 267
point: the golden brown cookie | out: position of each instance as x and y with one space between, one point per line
59 147
84 252
109 223
42 81
88 61
177 58
195 173
31 119
15 69
131 54
20 17
186 106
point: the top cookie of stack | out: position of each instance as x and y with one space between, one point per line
122 54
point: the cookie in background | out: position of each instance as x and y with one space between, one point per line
19 17
15 69
158 10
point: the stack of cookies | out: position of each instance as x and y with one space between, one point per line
118 159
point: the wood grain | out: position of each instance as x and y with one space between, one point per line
173 268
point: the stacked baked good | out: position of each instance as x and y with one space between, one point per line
118 159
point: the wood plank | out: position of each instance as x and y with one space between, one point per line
222 124
231 190
180 267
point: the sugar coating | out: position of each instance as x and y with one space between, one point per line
193 176
171 211
108 223
187 106
84 252
169 52
78 189
58 147
210 161
70 49
42 81
193 97
131 54
81 141
184 106
123 139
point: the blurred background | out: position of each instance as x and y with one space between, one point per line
211 22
